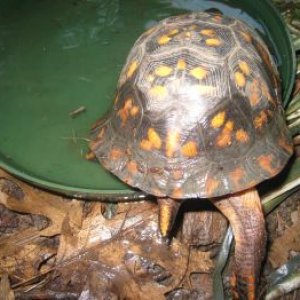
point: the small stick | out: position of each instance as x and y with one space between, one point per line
76 112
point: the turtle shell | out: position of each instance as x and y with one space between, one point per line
197 112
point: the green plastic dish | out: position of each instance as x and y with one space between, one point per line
56 56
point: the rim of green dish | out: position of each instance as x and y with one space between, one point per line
290 45
131 194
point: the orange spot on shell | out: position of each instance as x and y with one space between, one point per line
244 67
240 79
115 154
189 149
236 175
283 143
208 32
134 111
265 162
172 140
255 93
218 120
246 36
132 68
242 136
132 167
211 186
213 42
154 138
260 120
224 139
164 39
181 64
229 126
146 145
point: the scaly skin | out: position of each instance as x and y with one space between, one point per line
244 212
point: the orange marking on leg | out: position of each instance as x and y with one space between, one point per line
154 138
265 162
172 142
211 186
189 149
242 136
115 154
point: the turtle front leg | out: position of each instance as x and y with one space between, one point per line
245 215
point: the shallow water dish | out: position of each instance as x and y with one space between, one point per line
56 56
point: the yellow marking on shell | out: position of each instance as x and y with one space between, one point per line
208 32
188 34
246 36
255 93
265 162
239 79
236 175
154 138
213 42
132 68
189 149
159 91
198 73
193 27
115 154
132 167
260 120
181 64
211 186
244 67
218 120
242 136
177 193
173 31
283 143
164 39
146 145
163 71
172 140
134 111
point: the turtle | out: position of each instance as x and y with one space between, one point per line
198 114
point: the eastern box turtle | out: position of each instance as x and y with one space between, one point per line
198 115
